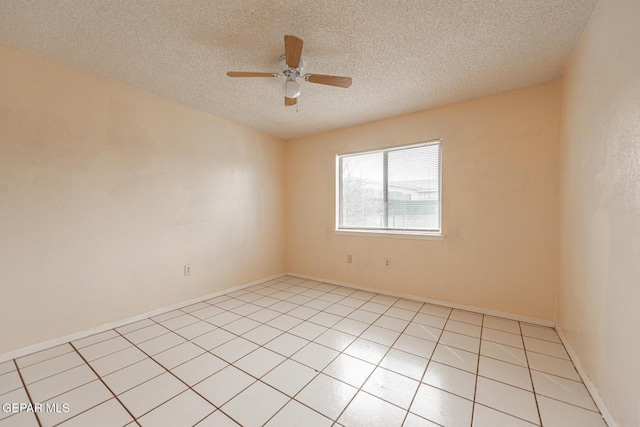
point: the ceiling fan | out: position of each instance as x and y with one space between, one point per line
291 65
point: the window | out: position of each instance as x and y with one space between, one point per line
393 190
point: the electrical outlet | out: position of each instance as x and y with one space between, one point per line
187 269
387 263
349 259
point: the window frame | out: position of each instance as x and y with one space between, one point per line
388 232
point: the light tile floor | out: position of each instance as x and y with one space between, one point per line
295 352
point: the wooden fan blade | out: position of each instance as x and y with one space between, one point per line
249 74
292 50
289 101
329 80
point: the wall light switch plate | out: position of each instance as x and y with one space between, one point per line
187 270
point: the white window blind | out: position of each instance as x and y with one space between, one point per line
395 189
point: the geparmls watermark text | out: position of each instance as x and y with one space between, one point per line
14 408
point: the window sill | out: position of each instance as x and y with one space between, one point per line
392 234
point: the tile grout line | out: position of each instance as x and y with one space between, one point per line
24 385
475 388
105 384
533 387
428 360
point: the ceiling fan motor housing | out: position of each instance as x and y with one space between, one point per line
286 70
292 88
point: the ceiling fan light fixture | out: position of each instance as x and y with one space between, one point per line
292 88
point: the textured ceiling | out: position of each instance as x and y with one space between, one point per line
403 56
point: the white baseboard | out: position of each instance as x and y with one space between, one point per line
587 381
96 330
532 320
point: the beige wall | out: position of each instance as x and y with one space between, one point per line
107 191
499 206
599 291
